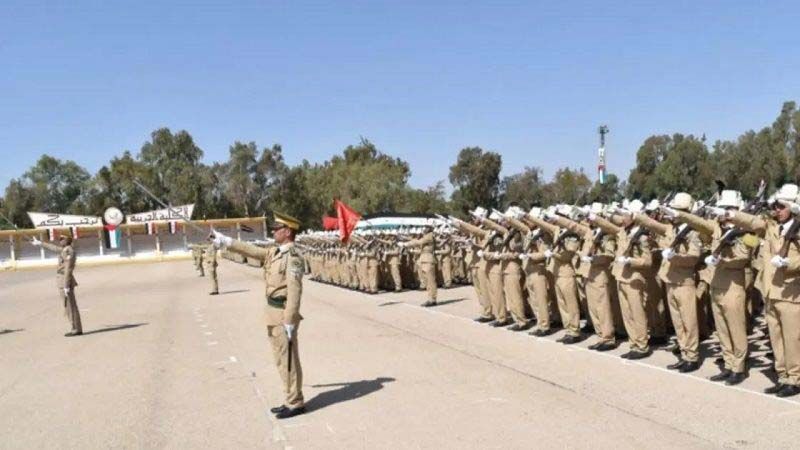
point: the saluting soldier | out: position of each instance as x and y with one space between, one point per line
65 279
283 272
427 262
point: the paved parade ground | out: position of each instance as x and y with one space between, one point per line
163 365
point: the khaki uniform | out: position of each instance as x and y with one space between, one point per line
446 259
727 291
65 279
427 262
283 272
494 275
781 291
536 282
512 280
210 257
678 274
393 263
197 256
566 284
632 280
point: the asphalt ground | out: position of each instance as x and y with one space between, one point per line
164 365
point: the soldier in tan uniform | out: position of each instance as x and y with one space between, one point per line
210 260
681 252
197 256
65 280
561 254
427 262
780 281
445 256
283 272
392 256
726 263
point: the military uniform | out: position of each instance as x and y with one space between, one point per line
65 282
210 260
427 263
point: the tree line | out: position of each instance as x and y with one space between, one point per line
256 180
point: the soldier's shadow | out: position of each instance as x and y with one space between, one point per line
346 392
115 328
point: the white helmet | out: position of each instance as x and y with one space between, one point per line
652 205
787 192
730 199
479 212
495 216
635 206
597 208
535 212
682 201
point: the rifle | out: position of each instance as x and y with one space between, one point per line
598 238
727 239
791 235
680 236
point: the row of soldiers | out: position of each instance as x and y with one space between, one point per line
204 257
630 269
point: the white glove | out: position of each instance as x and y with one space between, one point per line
548 254
66 291
711 260
587 259
592 217
480 253
289 328
36 242
524 256
623 260
669 211
793 207
717 211
220 240
667 253
779 262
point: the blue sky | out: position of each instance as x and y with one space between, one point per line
531 80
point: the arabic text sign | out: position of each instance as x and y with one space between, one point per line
49 220
162 215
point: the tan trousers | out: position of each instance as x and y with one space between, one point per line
632 303
372 276
730 317
397 280
682 301
212 278
428 273
480 279
447 271
598 302
568 307
512 288
71 309
538 295
656 311
292 382
496 295
783 321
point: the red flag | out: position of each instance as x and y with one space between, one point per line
347 218
330 223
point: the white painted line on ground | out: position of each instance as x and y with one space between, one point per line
204 325
210 343
232 359
208 333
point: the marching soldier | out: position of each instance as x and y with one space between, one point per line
283 271
197 256
210 259
65 280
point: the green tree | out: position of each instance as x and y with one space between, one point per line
426 201
568 186
172 163
56 186
476 179
606 192
525 188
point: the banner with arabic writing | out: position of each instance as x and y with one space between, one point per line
49 220
162 215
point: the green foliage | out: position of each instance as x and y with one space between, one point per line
568 186
524 189
476 179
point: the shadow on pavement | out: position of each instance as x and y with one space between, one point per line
346 391
239 291
447 302
5 331
390 303
115 328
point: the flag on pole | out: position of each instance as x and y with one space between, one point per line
347 218
112 236
173 227
52 234
330 223
151 228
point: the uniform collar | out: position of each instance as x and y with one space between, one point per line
285 247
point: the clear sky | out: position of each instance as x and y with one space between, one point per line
421 79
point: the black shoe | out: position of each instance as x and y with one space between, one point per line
735 378
722 376
676 349
568 340
214 293
497 324
633 355
287 413
595 346
689 367
484 319
70 334
606 346
428 304
774 389
540 333
788 391
278 409
677 365
658 340
517 327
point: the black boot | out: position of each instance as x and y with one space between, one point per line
789 391
689 367
722 376
735 378
287 413
278 409
677 365
774 389
484 319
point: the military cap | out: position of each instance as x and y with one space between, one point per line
285 220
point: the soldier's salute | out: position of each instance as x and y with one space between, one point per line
283 272
427 262
65 280
781 283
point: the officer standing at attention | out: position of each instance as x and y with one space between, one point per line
210 259
65 279
283 271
